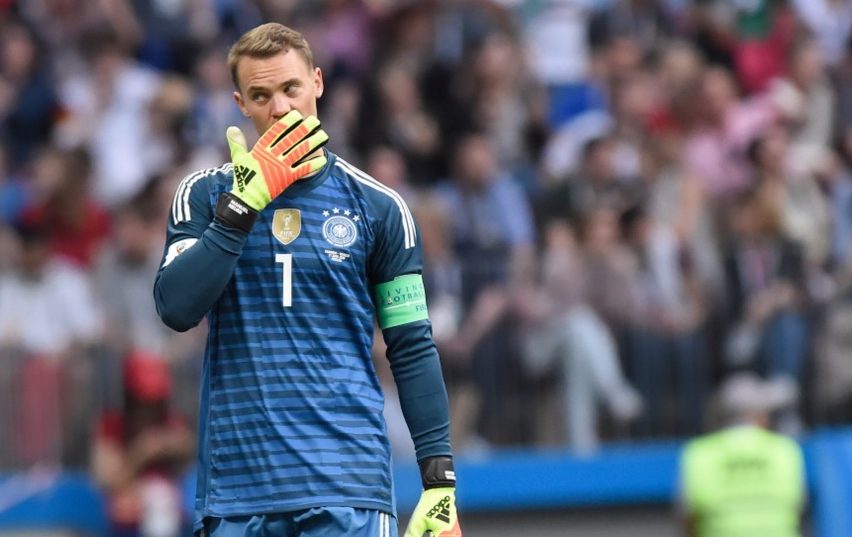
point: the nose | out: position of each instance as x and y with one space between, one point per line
280 105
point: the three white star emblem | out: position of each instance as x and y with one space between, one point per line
346 212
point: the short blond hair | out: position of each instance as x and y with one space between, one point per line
265 41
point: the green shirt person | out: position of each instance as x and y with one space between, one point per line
744 480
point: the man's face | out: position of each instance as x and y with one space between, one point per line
271 87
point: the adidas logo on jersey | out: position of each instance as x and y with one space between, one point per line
441 510
244 176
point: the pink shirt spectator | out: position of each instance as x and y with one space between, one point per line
715 154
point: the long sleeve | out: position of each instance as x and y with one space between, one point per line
394 268
200 253
420 383
188 286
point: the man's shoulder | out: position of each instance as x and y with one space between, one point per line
196 188
704 444
781 441
222 174
203 181
373 191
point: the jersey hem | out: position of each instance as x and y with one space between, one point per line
224 511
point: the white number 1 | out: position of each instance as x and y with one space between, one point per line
287 281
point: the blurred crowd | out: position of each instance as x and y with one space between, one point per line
621 201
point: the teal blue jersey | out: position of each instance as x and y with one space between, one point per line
291 407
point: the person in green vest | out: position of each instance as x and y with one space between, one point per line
744 480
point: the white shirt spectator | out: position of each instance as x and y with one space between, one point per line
49 314
114 131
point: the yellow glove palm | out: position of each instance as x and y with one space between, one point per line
435 515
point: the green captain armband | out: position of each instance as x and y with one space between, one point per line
401 301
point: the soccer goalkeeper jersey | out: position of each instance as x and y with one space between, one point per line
291 409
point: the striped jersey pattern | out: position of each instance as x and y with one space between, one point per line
291 408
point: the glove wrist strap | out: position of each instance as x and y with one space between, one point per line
436 472
233 212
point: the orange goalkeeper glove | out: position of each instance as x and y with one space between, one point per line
277 160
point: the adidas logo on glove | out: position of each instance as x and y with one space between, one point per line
441 511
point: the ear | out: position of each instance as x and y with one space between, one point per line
318 82
238 98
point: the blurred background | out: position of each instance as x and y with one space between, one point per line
622 203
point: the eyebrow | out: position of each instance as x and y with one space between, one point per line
284 84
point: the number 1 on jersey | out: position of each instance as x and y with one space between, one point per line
287 281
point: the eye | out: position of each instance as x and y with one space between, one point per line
259 97
291 90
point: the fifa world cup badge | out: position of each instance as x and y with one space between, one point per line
286 225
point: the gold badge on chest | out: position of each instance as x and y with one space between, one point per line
286 225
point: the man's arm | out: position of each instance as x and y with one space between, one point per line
394 268
417 372
420 383
192 281
199 257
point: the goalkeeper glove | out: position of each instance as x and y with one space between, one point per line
435 514
275 162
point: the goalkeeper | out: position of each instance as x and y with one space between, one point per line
291 252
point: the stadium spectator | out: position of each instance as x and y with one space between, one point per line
122 280
675 199
765 273
763 31
634 104
664 340
401 121
49 322
341 31
498 99
165 126
745 460
648 23
28 101
46 305
566 338
492 232
715 152
786 179
807 77
609 269
596 183
106 111
77 225
140 452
